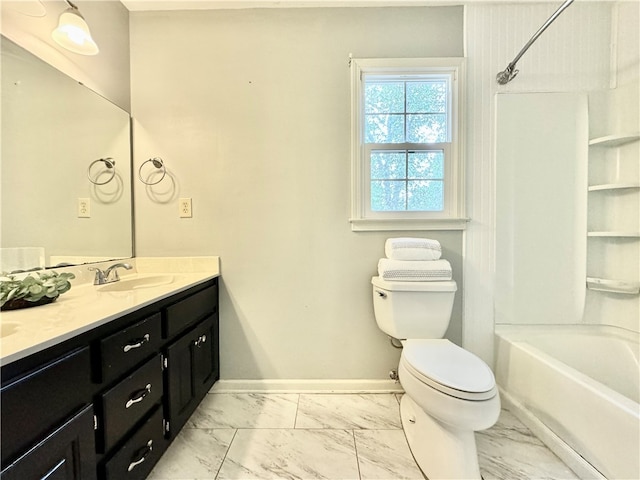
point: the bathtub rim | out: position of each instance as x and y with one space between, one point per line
514 334
513 331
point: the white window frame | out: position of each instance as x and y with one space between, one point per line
453 215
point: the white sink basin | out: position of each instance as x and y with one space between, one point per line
136 282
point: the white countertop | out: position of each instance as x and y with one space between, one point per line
85 306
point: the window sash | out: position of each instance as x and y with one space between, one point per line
448 78
453 217
407 147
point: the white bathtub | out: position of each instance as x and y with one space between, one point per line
581 381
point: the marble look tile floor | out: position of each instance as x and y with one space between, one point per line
255 436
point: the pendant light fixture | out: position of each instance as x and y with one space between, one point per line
73 32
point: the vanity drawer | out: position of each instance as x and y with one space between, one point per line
186 312
136 458
126 403
126 348
35 404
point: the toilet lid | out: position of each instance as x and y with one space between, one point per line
449 369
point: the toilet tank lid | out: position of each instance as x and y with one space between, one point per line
444 286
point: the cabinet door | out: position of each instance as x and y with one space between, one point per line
192 369
206 361
180 387
67 454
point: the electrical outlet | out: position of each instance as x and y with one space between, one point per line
84 207
185 207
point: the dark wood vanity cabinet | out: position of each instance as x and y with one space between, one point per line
105 405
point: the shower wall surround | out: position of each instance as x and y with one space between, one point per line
573 55
587 231
541 207
613 236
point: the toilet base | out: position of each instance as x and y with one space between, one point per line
440 451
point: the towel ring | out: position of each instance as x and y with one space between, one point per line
110 163
157 163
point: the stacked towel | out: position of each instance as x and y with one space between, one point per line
413 260
412 249
414 271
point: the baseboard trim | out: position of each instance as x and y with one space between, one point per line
306 386
568 455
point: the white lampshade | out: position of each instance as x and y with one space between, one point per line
73 33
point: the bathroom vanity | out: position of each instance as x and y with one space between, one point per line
103 398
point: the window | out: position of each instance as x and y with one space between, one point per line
406 157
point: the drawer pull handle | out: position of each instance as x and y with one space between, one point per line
142 455
139 395
201 340
137 343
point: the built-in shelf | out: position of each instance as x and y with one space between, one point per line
614 234
614 186
615 286
615 140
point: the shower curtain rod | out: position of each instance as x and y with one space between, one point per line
510 72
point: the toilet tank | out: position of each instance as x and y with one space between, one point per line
413 309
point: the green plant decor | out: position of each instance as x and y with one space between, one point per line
31 291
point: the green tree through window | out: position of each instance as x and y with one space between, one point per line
407 168
406 112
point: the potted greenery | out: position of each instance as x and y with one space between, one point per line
32 291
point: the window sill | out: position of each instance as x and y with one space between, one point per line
373 225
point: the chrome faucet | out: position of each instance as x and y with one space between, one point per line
109 275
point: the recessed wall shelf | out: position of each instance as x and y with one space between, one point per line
613 186
615 286
615 140
614 234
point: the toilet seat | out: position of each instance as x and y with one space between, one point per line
449 369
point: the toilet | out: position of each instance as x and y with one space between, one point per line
449 392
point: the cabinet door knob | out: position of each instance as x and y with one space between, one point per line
137 343
138 396
141 455
201 339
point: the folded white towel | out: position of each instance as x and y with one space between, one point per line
414 271
412 249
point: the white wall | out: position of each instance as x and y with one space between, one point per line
250 111
29 24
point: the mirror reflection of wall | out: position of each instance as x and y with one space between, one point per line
53 128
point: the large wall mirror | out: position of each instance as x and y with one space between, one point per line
65 176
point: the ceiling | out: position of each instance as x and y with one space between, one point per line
149 5
141 5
